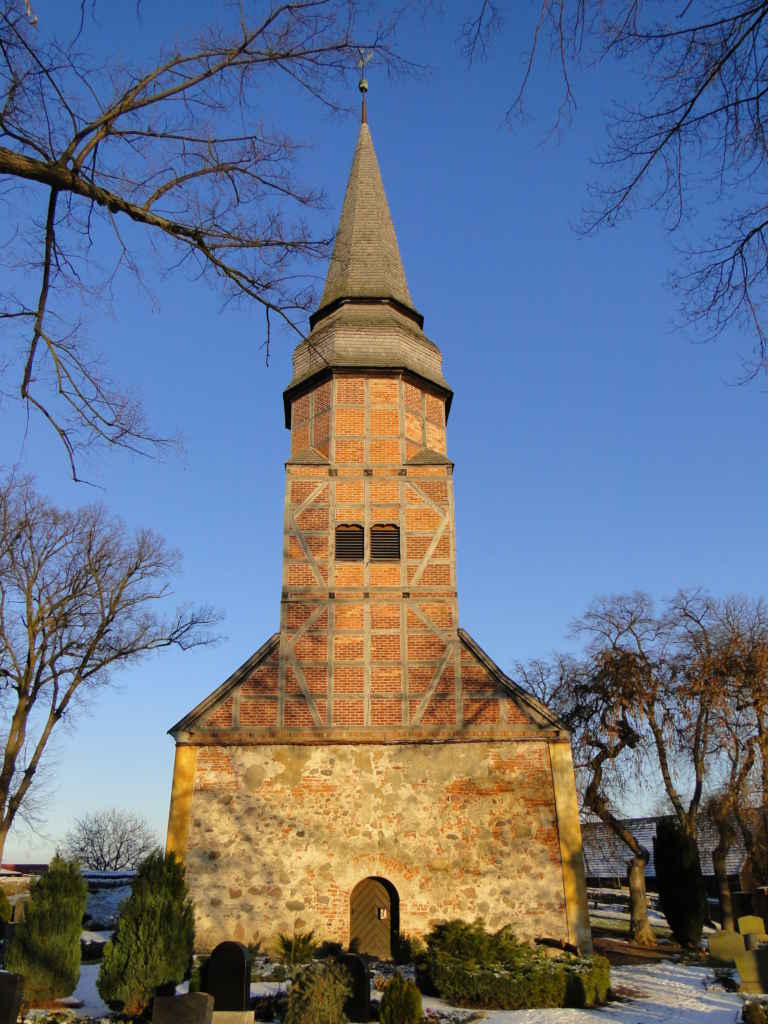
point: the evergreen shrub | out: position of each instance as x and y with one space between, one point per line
318 993
5 908
468 966
45 947
537 984
155 937
400 1002
754 1013
406 949
296 949
588 981
682 892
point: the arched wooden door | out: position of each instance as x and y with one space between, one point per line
373 913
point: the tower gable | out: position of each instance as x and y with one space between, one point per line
467 696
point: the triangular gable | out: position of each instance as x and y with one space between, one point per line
218 699
536 712
308 457
491 704
428 457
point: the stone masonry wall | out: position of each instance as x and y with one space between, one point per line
281 834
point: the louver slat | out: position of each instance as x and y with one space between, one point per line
349 543
385 542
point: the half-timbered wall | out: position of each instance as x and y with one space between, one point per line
369 643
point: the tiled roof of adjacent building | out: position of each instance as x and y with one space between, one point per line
606 856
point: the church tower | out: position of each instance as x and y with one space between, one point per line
369 770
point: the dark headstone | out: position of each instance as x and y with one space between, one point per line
227 976
194 1008
358 1006
11 991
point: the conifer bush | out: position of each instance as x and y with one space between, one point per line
45 947
5 908
154 940
754 1013
296 949
318 993
468 966
682 892
400 1002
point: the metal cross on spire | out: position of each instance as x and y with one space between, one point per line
364 58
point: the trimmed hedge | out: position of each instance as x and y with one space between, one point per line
535 985
588 981
467 966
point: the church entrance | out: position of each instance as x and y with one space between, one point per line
374 918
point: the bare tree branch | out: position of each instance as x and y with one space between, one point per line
77 601
175 147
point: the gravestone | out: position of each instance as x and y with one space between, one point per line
6 934
749 924
227 976
754 940
194 1008
725 945
358 1005
753 971
11 991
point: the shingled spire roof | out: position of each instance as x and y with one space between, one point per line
366 260
366 318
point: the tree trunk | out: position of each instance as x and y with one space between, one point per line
640 930
723 888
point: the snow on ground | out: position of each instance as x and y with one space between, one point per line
87 994
658 993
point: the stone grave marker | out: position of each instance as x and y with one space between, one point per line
749 924
193 1008
227 976
752 966
725 945
11 991
754 940
358 1005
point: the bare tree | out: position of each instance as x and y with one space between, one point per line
695 138
745 623
91 149
110 840
594 695
78 599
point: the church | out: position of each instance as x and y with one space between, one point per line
369 770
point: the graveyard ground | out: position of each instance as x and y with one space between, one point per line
659 991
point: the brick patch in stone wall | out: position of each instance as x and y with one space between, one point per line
460 830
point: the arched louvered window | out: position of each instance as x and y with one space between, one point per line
385 542
349 543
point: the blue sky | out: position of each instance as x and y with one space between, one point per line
597 449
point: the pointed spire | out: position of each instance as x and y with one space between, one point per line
366 260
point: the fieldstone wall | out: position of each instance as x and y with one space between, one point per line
279 835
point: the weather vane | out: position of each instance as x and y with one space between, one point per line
363 59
